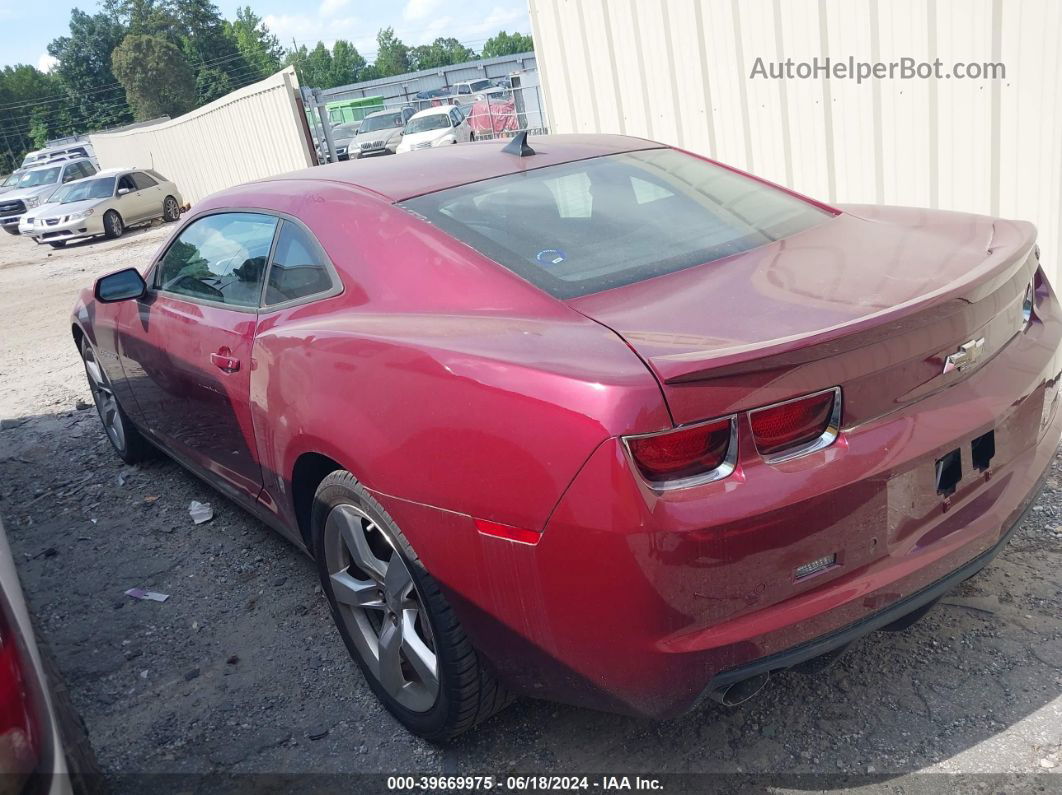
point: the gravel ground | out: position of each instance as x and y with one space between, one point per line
241 669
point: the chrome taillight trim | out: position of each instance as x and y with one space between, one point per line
724 470
828 437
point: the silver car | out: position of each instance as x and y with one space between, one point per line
106 204
43 744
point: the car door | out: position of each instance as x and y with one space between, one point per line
186 349
461 125
126 200
149 194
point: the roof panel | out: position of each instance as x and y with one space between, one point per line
400 177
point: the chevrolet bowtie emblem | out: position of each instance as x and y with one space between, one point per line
968 353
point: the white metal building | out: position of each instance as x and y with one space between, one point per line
679 71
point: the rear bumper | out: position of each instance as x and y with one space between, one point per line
838 639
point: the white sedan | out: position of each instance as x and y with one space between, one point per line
438 126
106 204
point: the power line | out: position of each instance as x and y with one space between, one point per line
242 79
109 86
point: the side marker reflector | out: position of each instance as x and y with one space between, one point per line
508 532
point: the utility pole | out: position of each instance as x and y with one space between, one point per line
326 124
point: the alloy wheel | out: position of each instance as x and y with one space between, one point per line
114 222
380 607
103 397
170 211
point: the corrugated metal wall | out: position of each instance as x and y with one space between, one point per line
403 87
251 133
678 71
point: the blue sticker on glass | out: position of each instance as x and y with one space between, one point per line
550 256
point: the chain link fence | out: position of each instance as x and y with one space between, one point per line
499 111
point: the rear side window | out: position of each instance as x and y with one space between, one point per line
298 269
595 224
220 258
142 180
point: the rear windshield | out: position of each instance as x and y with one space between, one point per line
592 225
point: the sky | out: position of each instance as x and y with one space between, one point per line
26 26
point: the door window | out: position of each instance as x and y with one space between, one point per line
126 183
219 258
142 181
299 267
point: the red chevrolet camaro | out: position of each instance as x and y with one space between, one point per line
593 419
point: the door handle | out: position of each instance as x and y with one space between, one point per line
225 361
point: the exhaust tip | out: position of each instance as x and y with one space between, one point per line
739 692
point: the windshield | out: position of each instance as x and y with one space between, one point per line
10 180
388 120
46 176
595 224
433 121
82 191
344 131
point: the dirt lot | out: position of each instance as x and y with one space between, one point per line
242 671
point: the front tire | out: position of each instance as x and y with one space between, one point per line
393 617
57 243
12 229
126 440
113 226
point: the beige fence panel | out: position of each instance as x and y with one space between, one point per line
679 71
253 132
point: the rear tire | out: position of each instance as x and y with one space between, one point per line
346 517
113 226
126 440
171 211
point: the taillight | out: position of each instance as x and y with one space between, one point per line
684 456
797 426
19 733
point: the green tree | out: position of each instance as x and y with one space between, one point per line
441 52
211 84
392 56
205 42
259 48
144 17
33 108
507 44
347 64
157 78
84 69
324 68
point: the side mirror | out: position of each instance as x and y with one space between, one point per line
120 286
123 191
